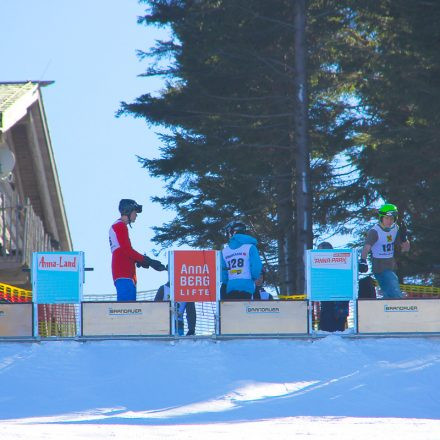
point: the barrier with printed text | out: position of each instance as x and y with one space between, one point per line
399 316
263 317
16 320
141 318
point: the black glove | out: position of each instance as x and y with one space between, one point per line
155 264
403 230
363 265
145 263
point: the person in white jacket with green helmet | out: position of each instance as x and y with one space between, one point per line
382 240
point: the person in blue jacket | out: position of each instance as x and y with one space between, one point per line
241 263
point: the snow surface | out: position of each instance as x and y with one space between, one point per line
329 388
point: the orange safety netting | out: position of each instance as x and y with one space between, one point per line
13 294
53 319
57 320
410 290
294 297
413 291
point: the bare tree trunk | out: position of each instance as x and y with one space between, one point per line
286 236
302 159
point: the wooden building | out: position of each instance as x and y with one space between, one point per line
32 213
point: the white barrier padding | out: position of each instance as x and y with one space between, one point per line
263 317
16 320
126 318
399 316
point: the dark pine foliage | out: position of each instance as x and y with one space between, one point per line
401 133
228 104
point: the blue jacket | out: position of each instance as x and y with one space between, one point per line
244 285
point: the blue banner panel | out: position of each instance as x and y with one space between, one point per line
331 274
57 277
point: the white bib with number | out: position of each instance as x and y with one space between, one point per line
384 246
238 262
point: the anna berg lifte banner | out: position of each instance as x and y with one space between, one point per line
195 275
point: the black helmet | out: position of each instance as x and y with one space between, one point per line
127 206
235 227
325 245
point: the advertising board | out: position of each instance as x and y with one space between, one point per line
399 316
142 318
263 317
195 275
16 320
57 277
331 274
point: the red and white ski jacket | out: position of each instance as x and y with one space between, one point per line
124 257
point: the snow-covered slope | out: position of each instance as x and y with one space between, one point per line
330 388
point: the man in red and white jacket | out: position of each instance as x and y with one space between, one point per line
124 257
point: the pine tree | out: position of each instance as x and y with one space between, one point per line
228 107
399 138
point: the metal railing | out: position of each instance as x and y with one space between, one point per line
21 232
12 294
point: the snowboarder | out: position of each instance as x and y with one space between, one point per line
124 257
382 240
241 263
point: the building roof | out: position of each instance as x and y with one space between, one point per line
23 122
15 98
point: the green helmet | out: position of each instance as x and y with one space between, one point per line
388 210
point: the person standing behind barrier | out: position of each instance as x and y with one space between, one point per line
367 289
124 257
241 263
382 240
163 294
333 314
260 293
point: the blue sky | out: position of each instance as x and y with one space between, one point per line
89 49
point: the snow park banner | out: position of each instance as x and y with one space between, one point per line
399 316
195 275
331 274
